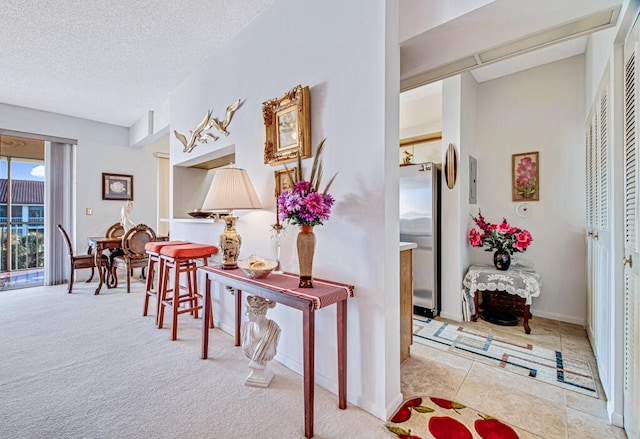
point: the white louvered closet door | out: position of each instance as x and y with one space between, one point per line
591 308
599 244
631 261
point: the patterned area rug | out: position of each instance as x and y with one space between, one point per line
422 418
543 364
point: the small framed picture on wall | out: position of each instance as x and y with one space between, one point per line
525 177
284 180
117 186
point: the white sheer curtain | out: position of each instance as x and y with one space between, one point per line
58 201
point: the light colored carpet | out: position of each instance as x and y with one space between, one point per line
84 366
546 365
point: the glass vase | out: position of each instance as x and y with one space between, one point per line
277 234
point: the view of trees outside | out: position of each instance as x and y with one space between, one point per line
27 250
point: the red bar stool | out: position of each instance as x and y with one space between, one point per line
182 259
153 250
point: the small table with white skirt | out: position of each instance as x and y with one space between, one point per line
523 282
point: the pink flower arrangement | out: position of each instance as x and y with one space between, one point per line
305 205
500 237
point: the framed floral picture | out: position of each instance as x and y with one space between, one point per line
284 177
117 187
525 175
287 126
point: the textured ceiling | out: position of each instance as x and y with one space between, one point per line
109 60
113 60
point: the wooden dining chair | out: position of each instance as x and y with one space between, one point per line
76 261
133 254
115 230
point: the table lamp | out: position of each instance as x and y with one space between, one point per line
230 189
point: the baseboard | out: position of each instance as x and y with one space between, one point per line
457 316
393 406
559 317
616 418
330 383
322 380
382 413
229 329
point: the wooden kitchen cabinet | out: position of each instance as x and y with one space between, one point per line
406 303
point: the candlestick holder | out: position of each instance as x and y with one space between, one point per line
277 234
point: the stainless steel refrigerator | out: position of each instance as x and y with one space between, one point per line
419 223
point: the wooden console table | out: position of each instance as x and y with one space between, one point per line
523 282
283 288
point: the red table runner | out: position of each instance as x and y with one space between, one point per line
323 293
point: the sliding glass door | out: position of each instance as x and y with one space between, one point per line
21 212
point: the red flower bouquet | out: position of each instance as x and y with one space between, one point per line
500 237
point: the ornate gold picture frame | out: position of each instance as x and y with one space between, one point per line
283 181
288 126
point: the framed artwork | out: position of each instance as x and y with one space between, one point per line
117 186
287 127
284 180
525 177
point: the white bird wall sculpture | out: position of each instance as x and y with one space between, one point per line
198 134
194 135
222 126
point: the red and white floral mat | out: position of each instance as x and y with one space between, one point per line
422 418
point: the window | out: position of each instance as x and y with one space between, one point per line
36 213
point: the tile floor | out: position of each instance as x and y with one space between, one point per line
543 410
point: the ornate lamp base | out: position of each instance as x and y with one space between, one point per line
230 244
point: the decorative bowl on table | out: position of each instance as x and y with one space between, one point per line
199 214
257 267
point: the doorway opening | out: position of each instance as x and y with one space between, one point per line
21 212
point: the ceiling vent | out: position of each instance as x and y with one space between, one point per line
573 29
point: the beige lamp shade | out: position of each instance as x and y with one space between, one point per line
231 189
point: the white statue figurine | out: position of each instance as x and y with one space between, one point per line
124 216
260 338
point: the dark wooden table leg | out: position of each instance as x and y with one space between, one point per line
98 258
238 315
527 329
342 353
474 317
205 317
308 325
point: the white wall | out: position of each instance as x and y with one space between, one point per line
100 148
597 55
541 109
469 147
350 61
459 108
